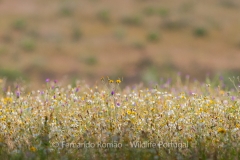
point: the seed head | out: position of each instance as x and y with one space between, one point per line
102 79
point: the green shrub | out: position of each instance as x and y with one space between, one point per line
91 60
19 24
119 34
175 24
131 20
104 16
163 12
153 37
28 45
10 74
66 10
229 4
149 11
200 32
76 34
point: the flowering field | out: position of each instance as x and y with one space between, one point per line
179 120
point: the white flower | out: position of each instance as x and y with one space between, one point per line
171 112
235 130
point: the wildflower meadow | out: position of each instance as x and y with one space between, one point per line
178 119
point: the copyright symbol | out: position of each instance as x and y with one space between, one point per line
55 145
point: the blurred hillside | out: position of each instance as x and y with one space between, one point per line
140 40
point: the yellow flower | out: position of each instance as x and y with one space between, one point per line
33 149
221 92
110 80
7 100
3 118
111 128
129 112
138 128
189 139
211 101
118 81
208 138
221 130
8 124
152 109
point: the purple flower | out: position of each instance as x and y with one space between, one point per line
233 98
47 80
118 104
18 94
112 93
169 81
221 78
55 81
77 89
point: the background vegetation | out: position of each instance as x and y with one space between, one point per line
139 39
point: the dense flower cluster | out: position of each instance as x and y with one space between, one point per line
206 116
